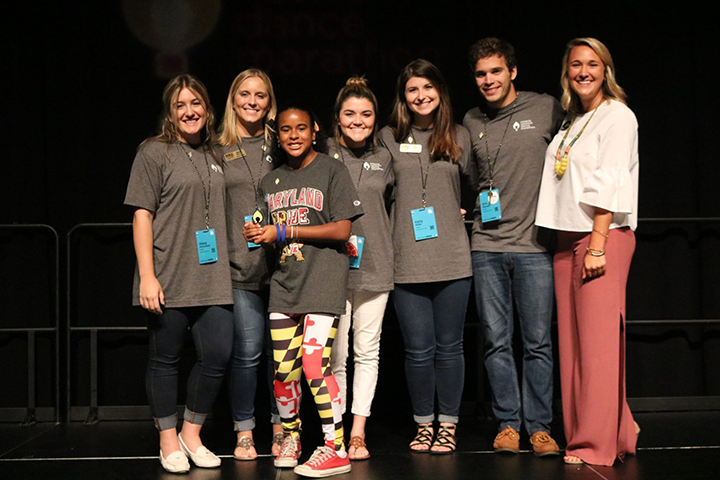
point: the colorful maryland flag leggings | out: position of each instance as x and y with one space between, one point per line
302 343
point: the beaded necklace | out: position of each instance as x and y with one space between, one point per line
561 159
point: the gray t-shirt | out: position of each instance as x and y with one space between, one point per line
311 276
531 122
373 177
446 257
164 181
250 267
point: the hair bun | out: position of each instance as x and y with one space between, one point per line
357 82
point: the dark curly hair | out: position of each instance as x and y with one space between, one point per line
320 144
487 47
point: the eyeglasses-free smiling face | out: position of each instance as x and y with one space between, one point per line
295 133
251 102
357 121
189 116
421 96
586 72
495 81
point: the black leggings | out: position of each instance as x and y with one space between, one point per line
212 331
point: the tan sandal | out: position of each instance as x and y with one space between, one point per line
277 440
247 443
573 460
357 442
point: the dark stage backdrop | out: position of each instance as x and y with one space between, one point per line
85 81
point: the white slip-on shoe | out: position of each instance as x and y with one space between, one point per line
176 462
203 458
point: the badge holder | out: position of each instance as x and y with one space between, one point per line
249 218
490 205
424 224
206 246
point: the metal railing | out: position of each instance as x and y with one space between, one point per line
708 402
31 411
92 415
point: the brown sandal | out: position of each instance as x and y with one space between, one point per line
445 439
277 440
358 442
423 438
247 443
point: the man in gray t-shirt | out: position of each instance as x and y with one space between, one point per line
510 132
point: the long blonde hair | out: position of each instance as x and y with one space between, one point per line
611 90
229 130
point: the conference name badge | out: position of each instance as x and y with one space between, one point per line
206 246
249 218
490 205
424 224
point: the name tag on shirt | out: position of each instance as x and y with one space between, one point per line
249 218
233 155
410 148
206 246
490 205
354 247
424 224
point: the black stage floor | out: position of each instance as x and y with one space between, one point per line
678 445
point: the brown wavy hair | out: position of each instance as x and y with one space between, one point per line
443 140
168 129
354 87
490 46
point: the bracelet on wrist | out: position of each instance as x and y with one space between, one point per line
594 252
604 234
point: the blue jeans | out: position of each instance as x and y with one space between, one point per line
251 339
525 280
211 329
432 318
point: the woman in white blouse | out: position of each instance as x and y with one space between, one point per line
589 195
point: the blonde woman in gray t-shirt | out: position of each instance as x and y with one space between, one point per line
247 141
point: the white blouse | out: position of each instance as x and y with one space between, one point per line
602 172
